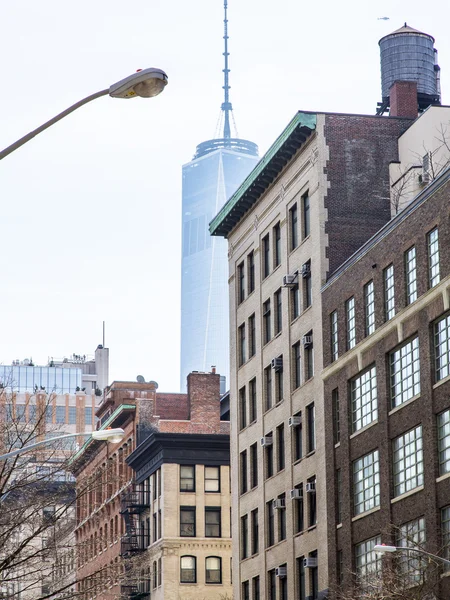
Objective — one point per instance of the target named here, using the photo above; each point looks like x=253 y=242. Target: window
x=369 y=308
x=244 y=537
x=312 y=506
x=213 y=522
x=155 y=575
x=242 y=408
x=445 y=529
x=270 y=523
x=241 y=282
x=266 y=319
x=433 y=258
x=276 y=245
x=443 y=424
x=389 y=295
x=250 y=273
x=271 y=585
x=307 y=285
x=309 y=356
x=255 y=531
x=297 y=433
x=269 y=457
x=299 y=510
x=334 y=336
x=336 y=416
x=266 y=255
x=213 y=569
x=364 y=399
x=187 y=479
x=442 y=348
x=278 y=312
x=242 y=343
x=159 y=571
x=268 y=386
x=295 y=301
x=296 y=366
x=280 y=448
x=254 y=465
x=252 y=400
x=301 y=578
x=405 y=372
x=155 y=526
x=408 y=461
x=60 y=414
x=187 y=522
x=256 y=590
x=412 y=534
x=306 y=216
x=212 y=479
x=411 y=275
x=311 y=423
x=368 y=562
x=245 y=590
x=351 y=323
x=283 y=587
x=366 y=483
x=251 y=336
x=244 y=475
x=338 y=499
x=293 y=227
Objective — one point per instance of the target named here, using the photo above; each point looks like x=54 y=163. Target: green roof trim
x=264 y=173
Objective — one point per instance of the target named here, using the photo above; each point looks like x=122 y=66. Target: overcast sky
x=90 y=210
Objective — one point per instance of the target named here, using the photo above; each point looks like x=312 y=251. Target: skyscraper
x=217 y=169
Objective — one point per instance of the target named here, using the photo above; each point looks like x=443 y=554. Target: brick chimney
x=204 y=399
x=403 y=99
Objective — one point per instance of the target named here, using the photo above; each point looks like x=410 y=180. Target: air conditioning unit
x=306 y=270
x=311 y=487
x=307 y=341
x=281 y=572
x=267 y=440
x=424 y=177
x=289 y=280
x=277 y=363
x=295 y=421
x=279 y=503
x=310 y=562
x=296 y=494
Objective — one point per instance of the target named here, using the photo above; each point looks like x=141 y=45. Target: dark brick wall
x=403 y=99
x=360 y=150
x=423 y=410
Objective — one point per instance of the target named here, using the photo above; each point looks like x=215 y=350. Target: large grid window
x=434 y=276
x=364 y=399
x=369 y=308
x=442 y=348
x=405 y=372
x=443 y=423
x=351 y=323
x=368 y=562
x=389 y=292
x=445 y=529
x=411 y=275
x=409 y=535
x=334 y=335
x=408 y=461
x=366 y=483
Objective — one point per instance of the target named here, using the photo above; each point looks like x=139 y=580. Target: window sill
x=365 y=428
x=441 y=382
x=406 y=494
x=403 y=404
x=337 y=445
x=364 y=514
x=442 y=477
x=339 y=526
x=310 y=453
x=311 y=528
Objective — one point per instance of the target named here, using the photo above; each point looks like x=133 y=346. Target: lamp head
x=383 y=549
x=145 y=83
x=109 y=435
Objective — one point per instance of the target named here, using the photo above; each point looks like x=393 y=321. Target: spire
x=226 y=105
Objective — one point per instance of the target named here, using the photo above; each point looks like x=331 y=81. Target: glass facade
x=22 y=378
x=208 y=181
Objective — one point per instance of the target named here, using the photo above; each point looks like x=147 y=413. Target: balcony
x=135 y=501
x=137 y=590
x=132 y=542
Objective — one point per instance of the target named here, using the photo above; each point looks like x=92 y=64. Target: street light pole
x=145 y=83
x=108 y=435
x=384 y=549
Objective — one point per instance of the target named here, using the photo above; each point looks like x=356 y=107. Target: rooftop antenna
x=226 y=105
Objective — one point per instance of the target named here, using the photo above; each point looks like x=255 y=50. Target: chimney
x=403 y=99
x=204 y=401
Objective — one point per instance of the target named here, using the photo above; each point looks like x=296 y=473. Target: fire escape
x=134 y=502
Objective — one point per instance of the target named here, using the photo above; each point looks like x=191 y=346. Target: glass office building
x=216 y=171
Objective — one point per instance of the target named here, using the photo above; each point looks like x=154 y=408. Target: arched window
x=188 y=569
x=213 y=569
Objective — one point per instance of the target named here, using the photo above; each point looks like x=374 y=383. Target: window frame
x=219 y=570
x=183 y=510
x=217 y=491
x=192 y=468
x=406 y=453
x=434 y=274
x=216 y=510
x=357 y=399
x=366 y=482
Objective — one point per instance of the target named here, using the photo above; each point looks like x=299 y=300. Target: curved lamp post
x=108 y=435
x=145 y=83
x=383 y=549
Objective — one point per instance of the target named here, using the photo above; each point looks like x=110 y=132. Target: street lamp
x=384 y=549
x=145 y=83
x=108 y=435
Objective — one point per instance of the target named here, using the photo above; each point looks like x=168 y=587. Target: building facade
x=386 y=380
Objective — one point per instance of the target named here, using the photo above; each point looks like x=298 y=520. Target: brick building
x=386 y=379
x=125 y=517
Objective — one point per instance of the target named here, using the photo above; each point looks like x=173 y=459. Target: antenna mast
x=226 y=105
